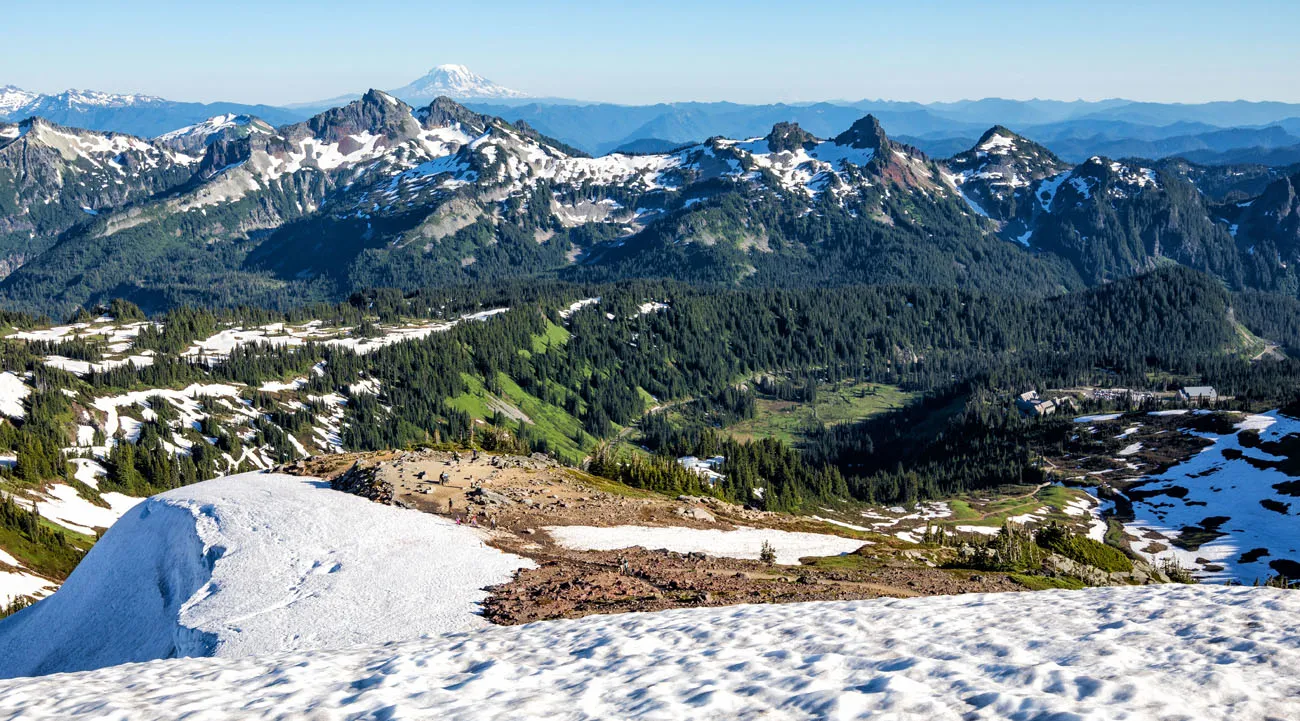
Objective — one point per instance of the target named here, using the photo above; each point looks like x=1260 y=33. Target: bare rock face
x=364 y=481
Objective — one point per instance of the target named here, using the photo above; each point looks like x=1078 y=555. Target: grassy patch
x=839 y=403
x=608 y=486
x=847 y=562
x=55 y=562
x=1043 y=583
x=474 y=400
x=1245 y=344
x=554 y=336
x=1115 y=534
x=962 y=511
x=552 y=423
x=646 y=398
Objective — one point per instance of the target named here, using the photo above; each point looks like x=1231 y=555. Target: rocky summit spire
x=865 y=133
x=376 y=112
x=789 y=136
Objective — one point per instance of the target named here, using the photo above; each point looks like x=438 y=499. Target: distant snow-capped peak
x=12 y=98
x=16 y=102
x=98 y=98
x=454 y=81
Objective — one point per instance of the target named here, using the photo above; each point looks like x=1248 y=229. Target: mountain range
x=1206 y=133
x=378 y=193
x=142 y=115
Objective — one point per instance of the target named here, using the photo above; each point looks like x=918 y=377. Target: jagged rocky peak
x=1275 y=216
x=865 y=133
x=444 y=112
x=75 y=143
x=13 y=99
x=789 y=137
x=376 y=113
x=225 y=152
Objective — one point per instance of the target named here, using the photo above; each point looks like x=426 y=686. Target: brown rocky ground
x=572 y=584
x=512 y=499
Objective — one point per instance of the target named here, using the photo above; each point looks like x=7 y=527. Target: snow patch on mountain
x=12 y=393
x=101 y=151
x=738 y=543
x=255 y=564
x=1238 y=492
x=214 y=125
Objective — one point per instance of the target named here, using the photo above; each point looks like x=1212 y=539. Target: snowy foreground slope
x=254 y=564
x=1173 y=652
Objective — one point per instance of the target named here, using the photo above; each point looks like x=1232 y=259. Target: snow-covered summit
x=13 y=98
x=454 y=81
x=99 y=99
x=1137 y=653
x=254 y=564
x=17 y=103
x=214 y=124
x=227 y=125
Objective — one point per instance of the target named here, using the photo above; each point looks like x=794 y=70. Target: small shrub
x=1082 y=549
x=1013 y=549
x=1175 y=571
x=767 y=554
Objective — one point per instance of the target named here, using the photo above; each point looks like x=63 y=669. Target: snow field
x=60 y=504
x=254 y=564
x=1218 y=486
x=740 y=543
x=12 y=393
x=1169 y=652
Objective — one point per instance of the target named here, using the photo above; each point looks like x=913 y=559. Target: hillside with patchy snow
x=1171 y=652
x=255 y=564
x=1225 y=514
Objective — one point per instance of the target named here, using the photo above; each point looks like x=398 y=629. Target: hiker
x=474 y=458
x=448 y=505
x=444 y=479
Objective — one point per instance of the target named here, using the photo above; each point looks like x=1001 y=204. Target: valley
x=111 y=407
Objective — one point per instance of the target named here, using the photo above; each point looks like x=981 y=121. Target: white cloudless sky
x=280 y=52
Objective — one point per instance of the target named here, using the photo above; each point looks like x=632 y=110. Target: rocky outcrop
x=1055 y=565
x=789 y=137
x=363 y=480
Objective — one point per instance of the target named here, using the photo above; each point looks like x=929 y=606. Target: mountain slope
x=53 y=178
x=993 y=174
x=379 y=194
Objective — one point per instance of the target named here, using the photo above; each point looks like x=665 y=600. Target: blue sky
x=280 y=52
